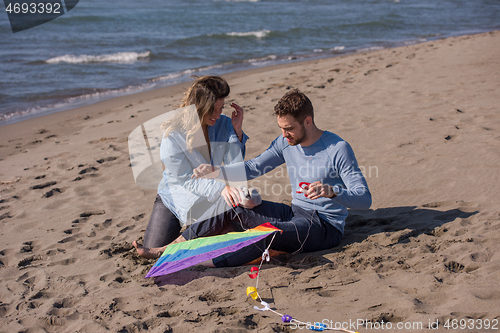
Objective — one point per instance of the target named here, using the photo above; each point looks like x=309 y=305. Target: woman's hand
x=231 y=195
x=237 y=120
x=206 y=171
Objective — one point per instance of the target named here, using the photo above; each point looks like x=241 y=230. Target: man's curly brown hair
x=296 y=104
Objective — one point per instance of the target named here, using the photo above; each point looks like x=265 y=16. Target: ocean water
x=102 y=49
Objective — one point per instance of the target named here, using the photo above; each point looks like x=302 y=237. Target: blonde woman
x=199 y=134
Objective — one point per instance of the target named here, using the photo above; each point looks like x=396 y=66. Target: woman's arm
x=237 y=120
x=180 y=164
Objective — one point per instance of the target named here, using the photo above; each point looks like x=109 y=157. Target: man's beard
x=299 y=139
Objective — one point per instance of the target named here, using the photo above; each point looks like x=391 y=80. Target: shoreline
x=423 y=117
x=285 y=61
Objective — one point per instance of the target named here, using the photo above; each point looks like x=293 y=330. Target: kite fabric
x=185 y=254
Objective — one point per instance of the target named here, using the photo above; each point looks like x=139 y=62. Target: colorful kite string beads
x=319 y=327
x=252 y=291
x=252 y=270
x=265 y=308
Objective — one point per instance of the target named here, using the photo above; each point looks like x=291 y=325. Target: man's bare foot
x=208 y=263
x=150 y=253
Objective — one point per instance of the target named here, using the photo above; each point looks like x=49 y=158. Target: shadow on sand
x=427 y=219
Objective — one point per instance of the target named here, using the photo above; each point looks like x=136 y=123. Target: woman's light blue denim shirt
x=177 y=190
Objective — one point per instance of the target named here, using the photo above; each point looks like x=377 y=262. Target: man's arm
x=356 y=195
x=256 y=167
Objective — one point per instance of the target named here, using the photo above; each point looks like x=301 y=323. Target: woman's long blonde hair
x=203 y=93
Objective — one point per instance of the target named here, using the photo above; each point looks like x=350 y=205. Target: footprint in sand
x=169 y=314
x=71 y=231
x=455 y=267
x=104 y=225
x=138 y=217
x=52 y=192
x=43 y=185
x=27 y=247
x=107 y=159
x=28 y=261
x=386 y=317
x=67 y=240
x=88 y=170
x=130 y=227
x=328 y=293
x=64 y=262
x=5 y=216
x=93 y=212
x=211 y=298
x=119 y=248
x=114 y=277
x=484 y=256
x=249 y=323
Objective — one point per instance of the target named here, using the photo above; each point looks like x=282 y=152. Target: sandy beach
x=424 y=123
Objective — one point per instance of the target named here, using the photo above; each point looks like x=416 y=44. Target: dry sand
x=425 y=125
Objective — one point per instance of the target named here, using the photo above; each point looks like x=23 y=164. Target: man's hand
x=317 y=190
x=206 y=171
x=231 y=195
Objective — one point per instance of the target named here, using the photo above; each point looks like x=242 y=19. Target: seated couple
x=323 y=171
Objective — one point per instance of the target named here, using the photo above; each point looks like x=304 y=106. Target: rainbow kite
x=182 y=255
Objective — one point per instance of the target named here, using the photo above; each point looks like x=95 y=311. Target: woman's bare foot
x=150 y=253
x=154 y=252
x=179 y=239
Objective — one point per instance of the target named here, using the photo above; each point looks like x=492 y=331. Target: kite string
x=296 y=230
x=239 y=218
x=265 y=255
x=308 y=230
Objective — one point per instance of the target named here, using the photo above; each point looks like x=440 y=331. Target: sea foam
x=121 y=57
x=258 y=34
